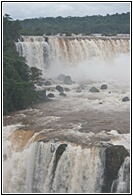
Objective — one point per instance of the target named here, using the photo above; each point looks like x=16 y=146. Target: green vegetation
x=18 y=78
x=109 y=24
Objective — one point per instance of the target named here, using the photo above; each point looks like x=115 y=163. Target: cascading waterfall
x=39 y=169
x=36 y=52
x=76 y=162
x=54 y=167
x=43 y=52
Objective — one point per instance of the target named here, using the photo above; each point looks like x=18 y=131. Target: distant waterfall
x=46 y=51
x=36 y=51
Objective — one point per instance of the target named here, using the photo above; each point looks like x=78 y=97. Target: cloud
x=22 y=10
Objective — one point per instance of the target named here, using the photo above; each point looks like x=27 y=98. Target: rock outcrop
x=115 y=156
x=66 y=89
x=125 y=99
x=94 y=90
x=62 y=94
x=61 y=77
x=68 y=80
x=60 y=151
x=104 y=86
x=41 y=96
x=59 y=88
x=47 y=83
x=51 y=95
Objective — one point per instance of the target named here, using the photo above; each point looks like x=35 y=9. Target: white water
x=31 y=170
x=89 y=58
x=121 y=185
x=79 y=170
x=29 y=167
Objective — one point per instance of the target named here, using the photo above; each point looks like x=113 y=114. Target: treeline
x=109 y=24
x=18 y=79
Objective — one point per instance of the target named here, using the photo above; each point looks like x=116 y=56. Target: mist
x=95 y=69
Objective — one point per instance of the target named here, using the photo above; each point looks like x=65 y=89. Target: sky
x=23 y=10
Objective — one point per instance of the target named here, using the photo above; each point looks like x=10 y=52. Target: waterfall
x=35 y=50
x=78 y=170
x=43 y=52
x=51 y=168
x=122 y=183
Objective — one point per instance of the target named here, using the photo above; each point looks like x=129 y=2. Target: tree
x=76 y=25
x=35 y=75
x=18 y=78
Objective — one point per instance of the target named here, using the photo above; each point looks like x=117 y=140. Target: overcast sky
x=23 y=10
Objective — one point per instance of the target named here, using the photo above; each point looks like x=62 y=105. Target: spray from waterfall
x=82 y=58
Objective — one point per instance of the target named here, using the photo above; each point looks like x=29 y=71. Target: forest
x=107 y=25
x=18 y=79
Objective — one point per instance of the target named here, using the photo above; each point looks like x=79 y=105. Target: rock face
x=94 y=90
x=115 y=156
x=104 y=86
x=59 y=88
x=67 y=80
x=58 y=154
x=125 y=99
x=60 y=151
x=47 y=83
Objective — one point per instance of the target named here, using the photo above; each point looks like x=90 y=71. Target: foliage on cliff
x=109 y=24
x=18 y=86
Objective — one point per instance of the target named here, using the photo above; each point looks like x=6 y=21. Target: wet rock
x=61 y=148
x=60 y=151
x=125 y=99
x=62 y=94
x=47 y=83
x=59 y=88
x=51 y=95
x=41 y=96
x=78 y=90
x=61 y=77
x=66 y=89
x=94 y=90
x=125 y=181
x=67 y=80
x=115 y=156
x=104 y=86
x=46 y=39
x=39 y=83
